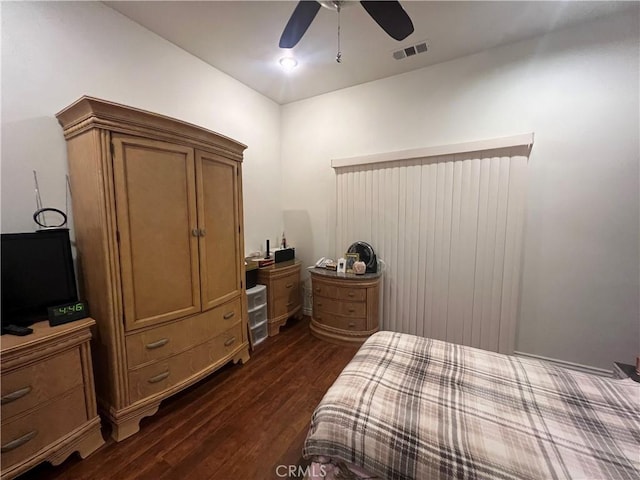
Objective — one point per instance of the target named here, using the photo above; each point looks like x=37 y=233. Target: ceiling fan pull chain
x=339 y=54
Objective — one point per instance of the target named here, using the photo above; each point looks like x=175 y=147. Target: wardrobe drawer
x=340 y=322
x=39 y=382
x=166 y=340
x=22 y=436
x=166 y=373
x=336 y=307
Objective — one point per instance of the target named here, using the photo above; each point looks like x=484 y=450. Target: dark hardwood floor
x=239 y=423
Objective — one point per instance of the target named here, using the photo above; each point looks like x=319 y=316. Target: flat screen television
x=37 y=273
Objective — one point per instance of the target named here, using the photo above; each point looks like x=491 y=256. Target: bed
x=407 y=407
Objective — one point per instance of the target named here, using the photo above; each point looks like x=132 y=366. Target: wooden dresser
x=345 y=306
x=284 y=298
x=157 y=206
x=48 y=397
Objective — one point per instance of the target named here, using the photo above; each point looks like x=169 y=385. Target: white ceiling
x=241 y=38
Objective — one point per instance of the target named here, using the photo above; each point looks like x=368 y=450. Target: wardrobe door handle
x=202 y=232
x=195 y=232
x=227 y=316
x=18 y=442
x=160 y=343
x=159 y=377
x=13 y=396
x=230 y=341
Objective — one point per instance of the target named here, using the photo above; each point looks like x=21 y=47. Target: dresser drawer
x=285 y=286
x=164 y=374
x=24 y=435
x=166 y=340
x=287 y=304
x=340 y=322
x=352 y=294
x=26 y=387
x=336 y=307
x=286 y=294
x=321 y=289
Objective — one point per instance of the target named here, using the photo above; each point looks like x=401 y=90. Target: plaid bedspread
x=413 y=408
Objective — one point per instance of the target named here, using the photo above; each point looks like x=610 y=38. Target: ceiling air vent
x=410 y=51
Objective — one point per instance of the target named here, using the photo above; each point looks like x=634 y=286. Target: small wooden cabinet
x=283 y=293
x=48 y=397
x=345 y=306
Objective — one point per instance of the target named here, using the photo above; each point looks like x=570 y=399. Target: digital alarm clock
x=69 y=312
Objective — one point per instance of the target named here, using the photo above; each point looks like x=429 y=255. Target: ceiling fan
x=388 y=14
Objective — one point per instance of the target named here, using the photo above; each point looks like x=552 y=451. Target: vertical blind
x=449 y=230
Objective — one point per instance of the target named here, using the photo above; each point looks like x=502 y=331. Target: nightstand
x=283 y=292
x=623 y=370
x=345 y=305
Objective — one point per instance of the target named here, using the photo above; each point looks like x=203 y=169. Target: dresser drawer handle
x=289 y=285
x=18 y=442
x=351 y=310
x=319 y=304
x=290 y=303
x=352 y=324
x=318 y=289
x=227 y=316
x=160 y=343
x=159 y=377
x=13 y=396
x=230 y=341
x=351 y=294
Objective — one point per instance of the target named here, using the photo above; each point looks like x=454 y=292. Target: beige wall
x=578 y=91
x=53 y=53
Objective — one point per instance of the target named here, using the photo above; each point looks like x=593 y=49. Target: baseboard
x=570 y=365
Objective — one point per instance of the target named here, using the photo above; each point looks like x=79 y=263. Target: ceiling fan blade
x=297 y=25
x=391 y=17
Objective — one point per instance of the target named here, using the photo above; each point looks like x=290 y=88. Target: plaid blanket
x=413 y=408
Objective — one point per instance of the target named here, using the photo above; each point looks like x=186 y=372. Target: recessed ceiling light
x=288 y=63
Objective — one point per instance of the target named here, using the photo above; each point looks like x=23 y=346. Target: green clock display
x=68 y=312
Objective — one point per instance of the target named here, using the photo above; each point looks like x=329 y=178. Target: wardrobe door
x=219 y=223
x=156 y=218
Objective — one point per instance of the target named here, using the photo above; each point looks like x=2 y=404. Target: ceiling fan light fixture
x=389 y=15
x=288 y=63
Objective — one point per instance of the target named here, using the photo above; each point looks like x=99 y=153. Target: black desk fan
x=366 y=254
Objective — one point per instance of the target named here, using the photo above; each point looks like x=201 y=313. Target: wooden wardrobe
x=157 y=209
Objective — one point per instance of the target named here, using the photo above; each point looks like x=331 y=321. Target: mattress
x=408 y=407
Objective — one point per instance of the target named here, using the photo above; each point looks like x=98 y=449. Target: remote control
x=16 y=330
